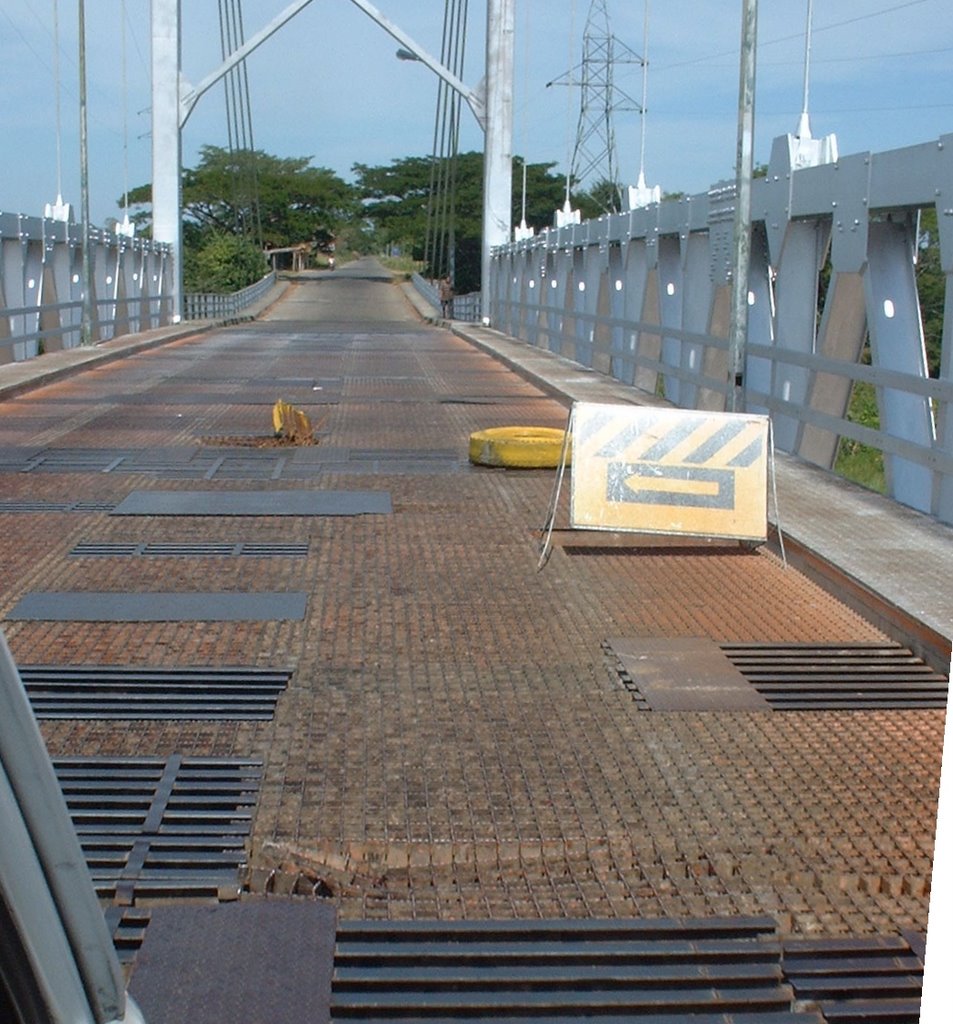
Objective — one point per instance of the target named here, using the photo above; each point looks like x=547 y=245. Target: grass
x=859 y=462
x=402 y=264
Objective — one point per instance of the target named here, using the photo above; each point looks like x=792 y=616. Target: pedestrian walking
x=446 y=297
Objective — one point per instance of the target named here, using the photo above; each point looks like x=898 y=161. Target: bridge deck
x=888 y=560
x=459 y=738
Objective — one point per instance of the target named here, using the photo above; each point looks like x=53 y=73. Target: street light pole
x=498 y=141
x=86 y=315
x=744 y=167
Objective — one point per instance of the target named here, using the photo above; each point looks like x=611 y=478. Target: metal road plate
x=669 y=471
x=251 y=960
x=687 y=674
x=79 y=606
x=254 y=503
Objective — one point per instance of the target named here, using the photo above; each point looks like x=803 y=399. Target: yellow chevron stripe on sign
x=669 y=471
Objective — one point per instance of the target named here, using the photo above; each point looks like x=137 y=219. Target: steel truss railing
x=42 y=285
x=644 y=297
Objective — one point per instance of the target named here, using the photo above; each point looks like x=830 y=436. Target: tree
x=222 y=263
x=931 y=287
x=296 y=202
x=397 y=197
x=603 y=197
x=395 y=200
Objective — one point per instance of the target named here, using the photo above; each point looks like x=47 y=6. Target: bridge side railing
x=465 y=307
x=644 y=297
x=217 y=306
x=42 y=285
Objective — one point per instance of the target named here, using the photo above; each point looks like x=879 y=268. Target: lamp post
x=498 y=141
x=744 y=167
x=86 y=316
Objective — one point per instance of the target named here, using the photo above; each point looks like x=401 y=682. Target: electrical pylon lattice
x=594 y=158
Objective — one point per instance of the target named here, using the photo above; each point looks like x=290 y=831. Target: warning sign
x=669 y=471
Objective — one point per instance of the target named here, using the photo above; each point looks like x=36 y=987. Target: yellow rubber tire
x=518 y=447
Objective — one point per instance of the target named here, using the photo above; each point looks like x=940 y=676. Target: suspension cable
x=56 y=77
x=253 y=156
x=241 y=145
x=125 y=116
x=570 y=143
x=440 y=244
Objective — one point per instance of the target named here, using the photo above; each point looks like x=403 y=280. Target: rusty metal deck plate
x=254 y=503
x=82 y=606
x=685 y=674
x=237 y=963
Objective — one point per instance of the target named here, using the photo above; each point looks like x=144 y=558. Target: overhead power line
x=796 y=35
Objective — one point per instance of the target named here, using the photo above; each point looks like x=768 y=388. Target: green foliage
x=296 y=202
x=855 y=461
x=396 y=198
x=222 y=263
x=604 y=197
x=860 y=462
x=356 y=237
x=931 y=287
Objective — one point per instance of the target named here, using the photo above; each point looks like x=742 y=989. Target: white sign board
x=669 y=471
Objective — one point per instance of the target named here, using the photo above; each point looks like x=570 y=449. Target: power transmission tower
x=594 y=153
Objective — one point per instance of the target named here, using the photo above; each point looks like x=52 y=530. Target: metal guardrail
x=59 y=325
x=642 y=297
x=465 y=307
x=42 y=287
x=212 y=306
x=42 y=284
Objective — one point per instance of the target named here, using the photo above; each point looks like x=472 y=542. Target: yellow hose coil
x=518 y=447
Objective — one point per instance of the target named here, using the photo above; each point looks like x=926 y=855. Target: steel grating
x=127 y=926
x=225 y=549
x=855 y=980
x=851 y=677
x=56 y=506
x=709 y=969
x=153 y=827
x=794 y=677
x=158 y=606
x=127 y=692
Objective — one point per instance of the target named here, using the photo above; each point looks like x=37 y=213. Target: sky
x=328 y=86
